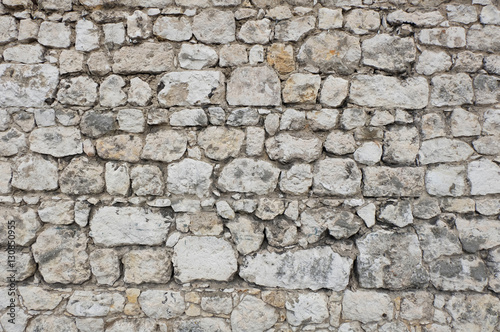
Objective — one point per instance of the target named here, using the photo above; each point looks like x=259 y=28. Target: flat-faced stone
x=54 y=34
x=262 y=81
x=87 y=303
x=195 y=258
x=105 y=266
x=301 y=88
x=27 y=85
x=56 y=141
x=191 y=88
x=165 y=145
x=189 y=176
x=35 y=172
x=478 y=233
x=459 y=273
x=386 y=181
x=12 y=142
x=116 y=226
x=285 y=148
x=388 y=52
x=120 y=147
x=147 y=266
x=249 y=176
x=314 y=268
x=452 y=37
x=214 y=26
x=389 y=92
x=331 y=52
x=147 y=57
x=366 y=306
x=451 y=90
x=442 y=150
x=82 y=176
x=25 y=221
x=483 y=38
x=247 y=233
x=60 y=252
x=336 y=177
x=220 y=143
x=484 y=176
x=157 y=303
x=253 y=314
x=77 y=91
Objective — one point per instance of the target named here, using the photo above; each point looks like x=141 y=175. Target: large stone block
x=254 y=86
x=144 y=58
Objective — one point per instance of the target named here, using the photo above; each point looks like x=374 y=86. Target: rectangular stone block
x=387 y=181
x=145 y=58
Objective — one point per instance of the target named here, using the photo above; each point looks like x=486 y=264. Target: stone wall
x=249 y=165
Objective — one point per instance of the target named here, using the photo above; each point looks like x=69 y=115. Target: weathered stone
x=432 y=125
x=8 y=29
x=255 y=32
x=340 y=143
x=147 y=180
x=330 y=18
x=247 y=234
x=491 y=125
x=389 y=92
x=53 y=34
x=468 y=62
x=157 y=303
x=486 y=89
x=140 y=92
x=397 y=213
x=105 y=266
x=25 y=222
x=131 y=120
x=281 y=232
x=139 y=25
x=190 y=177
x=27 y=85
x=369 y=153
x=307 y=308
x=56 y=141
x=285 y=148
x=61 y=255
x=82 y=176
x=334 y=176
x=147 y=265
x=189 y=118
x=24 y=54
x=491 y=64
x=388 y=52
x=458 y=205
x=478 y=233
x=268 y=209
x=35 y=172
x=417 y=305
x=263 y=81
x=152 y=58
x=87 y=36
x=214 y=26
x=45 y=323
x=194 y=259
x=445 y=180
x=453 y=37
x=314 y=268
x=488 y=145
x=483 y=38
x=367 y=213
x=253 y=315
x=217 y=304
x=248 y=175
x=191 y=88
x=12 y=142
x=70 y=61
x=120 y=147
x=418 y=18
x=255 y=141
x=366 y=306
x=173 y=28
x=301 y=88
x=362 y=21
x=77 y=91
x=114 y=34
x=294 y=28
x=334 y=91
x=464 y=123
x=468 y=311
x=442 y=150
x=233 y=55
x=459 y=273
x=95 y=124
x=461 y=13
x=297 y=180
x=430 y=62
x=399 y=268
x=88 y=303
x=36 y=298
x=401 y=145
x=204 y=323
x=98 y=64
x=331 y=52
x=167 y=146
x=57 y=212
x=293 y=120
x=197 y=56
x=493 y=263
x=110 y=91
x=280 y=56
x=451 y=90
x=115 y=226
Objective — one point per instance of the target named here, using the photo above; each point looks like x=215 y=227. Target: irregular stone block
x=443 y=150
x=389 y=92
x=314 y=268
x=253 y=314
x=190 y=177
x=191 y=88
x=60 y=252
x=25 y=221
x=445 y=180
x=27 y=85
x=54 y=34
x=388 y=52
x=366 y=306
x=451 y=90
x=336 y=177
x=36 y=298
x=249 y=176
x=478 y=233
x=116 y=226
x=247 y=233
x=459 y=273
x=105 y=266
x=82 y=176
x=453 y=37
x=301 y=88
x=401 y=264
x=286 y=148
x=468 y=311
x=147 y=266
x=214 y=26
x=88 y=303
x=294 y=28
x=35 y=172
x=12 y=142
x=77 y=91
x=56 y=141
x=147 y=57
x=263 y=82
x=120 y=147
x=57 y=212
x=483 y=38
x=165 y=145
x=331 y=52
x=157 y=303
x=195 y=258
x=52 y=323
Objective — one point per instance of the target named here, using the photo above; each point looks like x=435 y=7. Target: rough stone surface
x=189 y=177
x=34 y=172
x=338 y=177
x=311 y=268
x=248 y=175
x=56 y=141
x=263 y=81
x=388 y=52
x=203 y=258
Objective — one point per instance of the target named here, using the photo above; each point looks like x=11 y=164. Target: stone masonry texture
x=249 y=165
